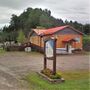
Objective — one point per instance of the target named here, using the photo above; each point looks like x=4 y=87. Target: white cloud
x=6 y=13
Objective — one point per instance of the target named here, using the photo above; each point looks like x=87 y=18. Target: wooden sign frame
x=53 y=58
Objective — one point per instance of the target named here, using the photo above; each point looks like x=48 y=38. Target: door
x=68 y=48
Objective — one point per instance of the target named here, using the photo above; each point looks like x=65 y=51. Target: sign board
x=49 y=48
x=50 y=53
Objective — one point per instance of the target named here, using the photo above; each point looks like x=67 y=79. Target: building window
x=77 y=39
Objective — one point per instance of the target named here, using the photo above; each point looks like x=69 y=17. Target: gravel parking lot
x=15 y=64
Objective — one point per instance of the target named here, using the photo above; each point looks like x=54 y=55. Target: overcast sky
x=78 y=10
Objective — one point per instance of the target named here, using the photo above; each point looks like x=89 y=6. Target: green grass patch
x=2 y=51
x=76 y=75
x=74 y=81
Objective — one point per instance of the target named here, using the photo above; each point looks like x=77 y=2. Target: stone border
x=51 y=80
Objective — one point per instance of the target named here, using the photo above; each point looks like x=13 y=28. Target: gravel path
x=15 y=64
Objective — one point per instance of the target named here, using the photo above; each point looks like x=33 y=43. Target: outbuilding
x=68 y=38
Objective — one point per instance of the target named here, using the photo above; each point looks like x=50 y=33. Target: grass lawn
x=74 y=81
x=2 y=51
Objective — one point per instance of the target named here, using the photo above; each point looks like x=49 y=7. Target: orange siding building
x=68 y=38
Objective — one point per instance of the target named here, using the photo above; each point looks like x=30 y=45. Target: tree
x=31 y=18
x=21 y=37
x=45 y=21
x=14 y=22
x=86 y=29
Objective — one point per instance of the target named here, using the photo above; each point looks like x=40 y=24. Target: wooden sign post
x=50 y=53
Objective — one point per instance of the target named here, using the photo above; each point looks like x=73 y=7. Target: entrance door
x=68 y=48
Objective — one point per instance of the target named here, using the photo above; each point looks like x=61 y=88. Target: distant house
x=68 y=38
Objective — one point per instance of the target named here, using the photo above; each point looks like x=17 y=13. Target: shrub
x=56 y=76
x=86 y=43
x=21 y=37
x=49 y=73
x=14 y=48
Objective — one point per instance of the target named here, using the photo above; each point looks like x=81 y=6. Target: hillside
x=33 y=18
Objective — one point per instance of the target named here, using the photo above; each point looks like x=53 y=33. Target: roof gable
x=66 y=31
x=43 y=32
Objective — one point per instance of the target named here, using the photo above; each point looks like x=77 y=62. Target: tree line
x=33 y=18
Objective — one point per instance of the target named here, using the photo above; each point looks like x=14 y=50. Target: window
x=77 y=39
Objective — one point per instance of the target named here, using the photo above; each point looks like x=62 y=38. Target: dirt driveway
x=14 y=64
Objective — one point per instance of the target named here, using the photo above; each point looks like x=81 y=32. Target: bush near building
x=86 y=43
